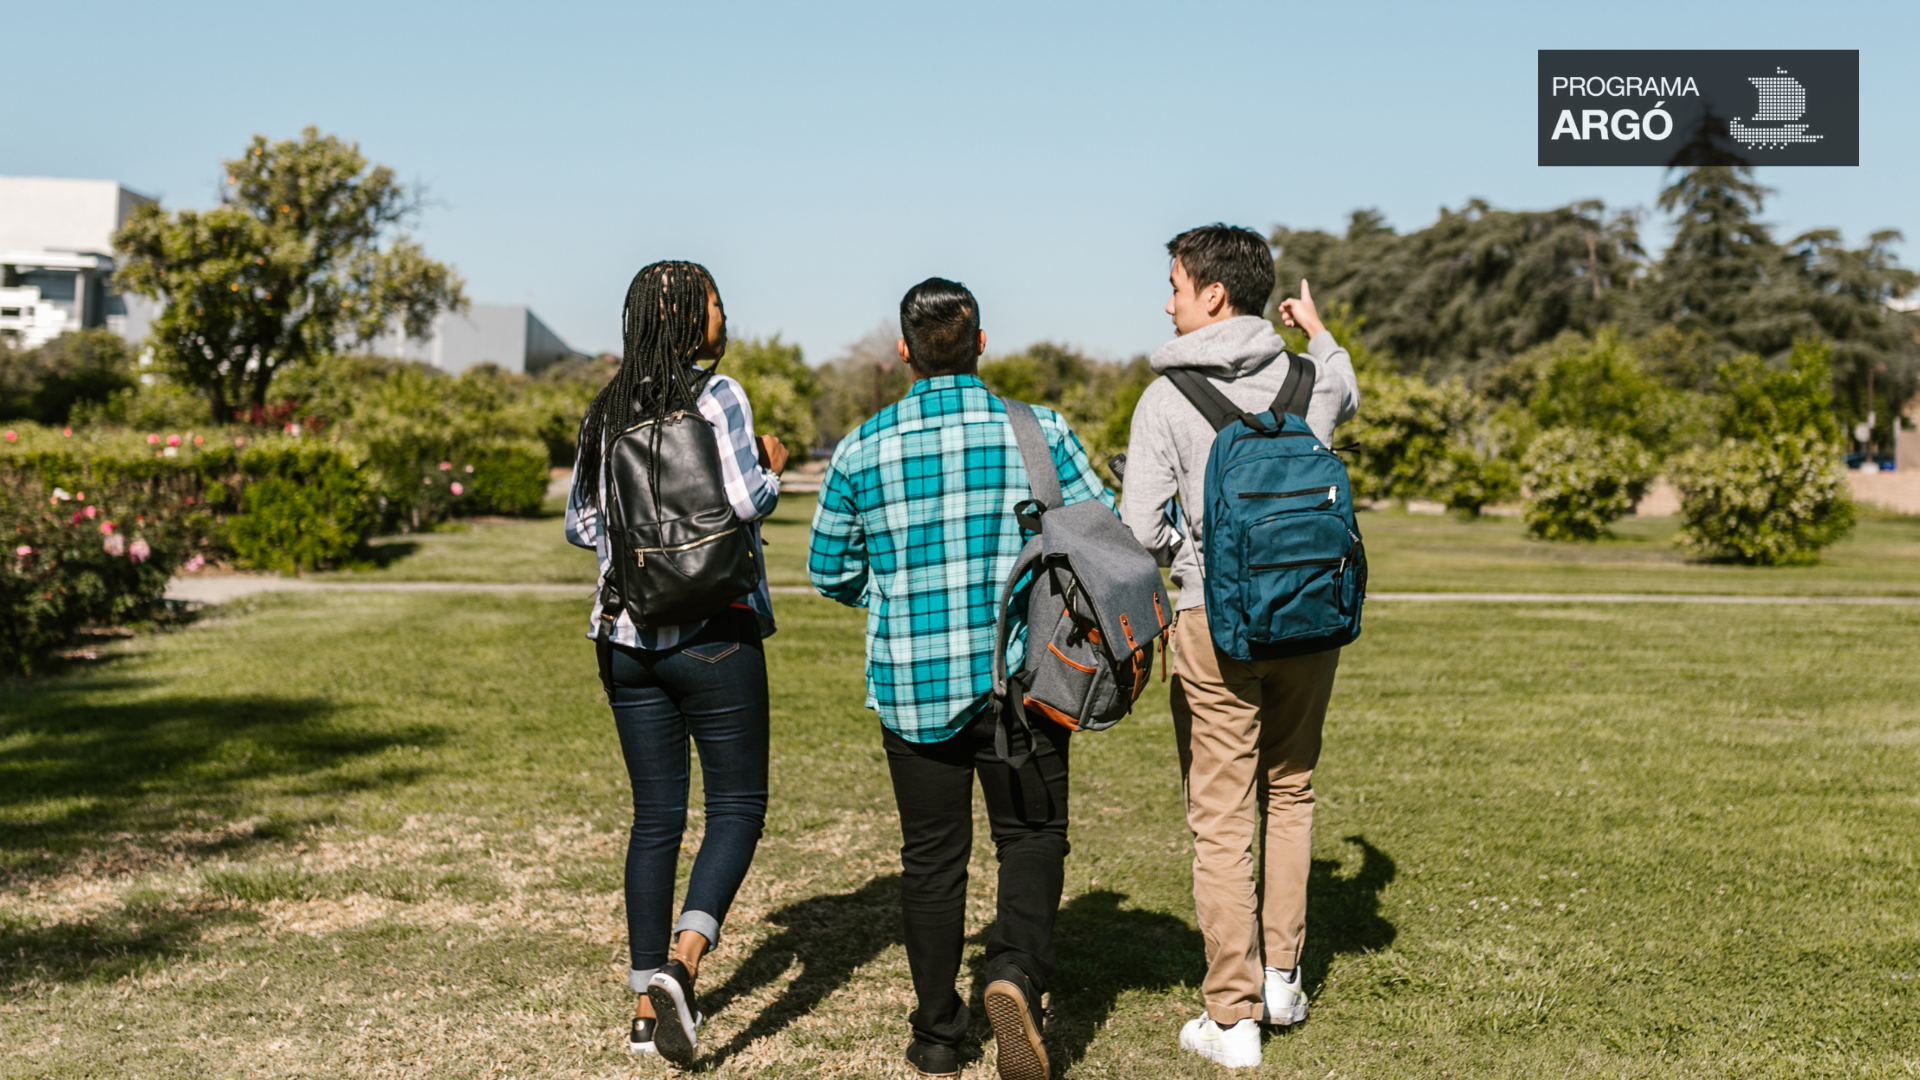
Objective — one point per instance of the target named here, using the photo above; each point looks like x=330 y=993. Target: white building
x=56 y=259
x=56 y=270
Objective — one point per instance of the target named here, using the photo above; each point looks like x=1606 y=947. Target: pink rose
x=456 y=488
x=194 y=563
x=23 y=551
x=427 y=480
x=197 y=440
x=173 y=440
x=138 y=551
x=116 y=545
x=446 y=466
x=469 y=470
x=12 y=437
x=89 y=511
x=67 y=431
x=106 y=527
x=153 y=440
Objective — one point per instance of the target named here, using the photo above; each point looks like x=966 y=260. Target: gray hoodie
x=1168 y=446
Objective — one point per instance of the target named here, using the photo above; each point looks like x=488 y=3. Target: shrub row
x=97 y=522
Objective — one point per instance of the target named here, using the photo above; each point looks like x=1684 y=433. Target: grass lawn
x=379 y=835
x=1431 y=553
x=1405 y=552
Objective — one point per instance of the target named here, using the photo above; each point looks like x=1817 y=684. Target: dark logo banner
x=1700 y=107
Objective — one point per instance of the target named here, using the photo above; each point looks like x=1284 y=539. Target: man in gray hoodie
x=1249 y=733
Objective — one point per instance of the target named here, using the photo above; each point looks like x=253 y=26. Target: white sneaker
x=1286 y=1001
x=1237 y=1047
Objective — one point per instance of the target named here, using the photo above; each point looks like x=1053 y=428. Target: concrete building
x=56 y=259
x=56 y=270
x=508 y=335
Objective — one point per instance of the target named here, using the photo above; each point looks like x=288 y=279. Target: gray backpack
x=1096 y=607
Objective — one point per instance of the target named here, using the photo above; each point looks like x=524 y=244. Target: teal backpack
x=1286 y=571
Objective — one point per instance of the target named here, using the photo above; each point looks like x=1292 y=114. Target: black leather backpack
x=680 y=553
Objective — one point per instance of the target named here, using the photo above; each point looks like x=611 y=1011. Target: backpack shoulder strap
x=1200 y=391
x=1043 y=480
x=1213 y=405
x=1297 y=390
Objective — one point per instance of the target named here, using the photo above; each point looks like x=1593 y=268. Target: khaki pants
x=1249 y=737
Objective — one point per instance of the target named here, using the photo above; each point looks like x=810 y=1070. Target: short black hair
x=1230 y=256
x=941 y=321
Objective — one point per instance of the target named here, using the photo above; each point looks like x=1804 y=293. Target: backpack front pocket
x=1296 y=577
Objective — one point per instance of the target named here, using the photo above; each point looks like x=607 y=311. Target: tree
x=81 y=367
x=1723 y=273
x=858 y=383
x=780 y=387
x=1773 y=492
x=1475 y=287
x=1726 y=278
x=304 y=253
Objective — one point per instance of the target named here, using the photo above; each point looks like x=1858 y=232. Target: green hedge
x=212 y=478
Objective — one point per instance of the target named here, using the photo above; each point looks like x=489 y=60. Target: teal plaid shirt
x=915 y=523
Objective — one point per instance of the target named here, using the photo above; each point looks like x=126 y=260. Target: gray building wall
x=506 y=335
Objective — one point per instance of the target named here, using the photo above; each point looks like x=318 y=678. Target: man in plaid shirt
x=915 y=523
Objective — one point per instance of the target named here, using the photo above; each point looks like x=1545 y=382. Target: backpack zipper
x=1275 y=435
x=1331 y=490
x=1297 y=562
x=640 y=554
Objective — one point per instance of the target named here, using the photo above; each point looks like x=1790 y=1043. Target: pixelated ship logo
x=1782 y=101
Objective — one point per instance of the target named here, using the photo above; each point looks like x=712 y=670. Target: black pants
x=933 y=786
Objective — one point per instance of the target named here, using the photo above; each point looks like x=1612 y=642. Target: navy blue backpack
x=1285 y=569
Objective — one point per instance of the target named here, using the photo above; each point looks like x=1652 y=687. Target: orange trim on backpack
x=1051 y=713
x=1159 y=614
x=1055 y=650
x=1139 y=675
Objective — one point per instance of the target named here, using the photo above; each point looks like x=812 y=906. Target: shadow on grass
x=1343 y=913
x=115 y=943
x=830 y=937
x=1101 y=951
x=77 y=772
x=383 y=553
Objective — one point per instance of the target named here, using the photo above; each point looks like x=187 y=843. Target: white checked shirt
x=752 y=490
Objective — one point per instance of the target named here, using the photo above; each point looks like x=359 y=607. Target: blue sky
x=823 y=158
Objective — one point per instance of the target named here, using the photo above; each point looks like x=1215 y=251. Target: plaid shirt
x=916 y=524
x=752 y=490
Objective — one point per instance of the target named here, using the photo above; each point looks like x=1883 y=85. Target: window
x=9 y=312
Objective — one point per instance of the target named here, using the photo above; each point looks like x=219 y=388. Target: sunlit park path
x=378 y=834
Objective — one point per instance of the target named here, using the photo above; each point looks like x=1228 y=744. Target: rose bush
x=96 y=555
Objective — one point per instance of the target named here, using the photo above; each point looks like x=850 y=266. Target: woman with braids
x=706 y=680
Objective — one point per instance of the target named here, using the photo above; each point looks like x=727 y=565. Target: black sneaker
x=675 y=1035
x=640 y=1039
x=933 y=1059
x=1013 y=1010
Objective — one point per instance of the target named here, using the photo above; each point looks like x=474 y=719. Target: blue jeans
x=714 y=689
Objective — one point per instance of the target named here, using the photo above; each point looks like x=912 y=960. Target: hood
x=1229 y=348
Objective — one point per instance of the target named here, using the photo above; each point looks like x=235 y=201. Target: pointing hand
x=1299 y=311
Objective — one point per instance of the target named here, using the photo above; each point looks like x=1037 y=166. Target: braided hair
x=664 y=324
